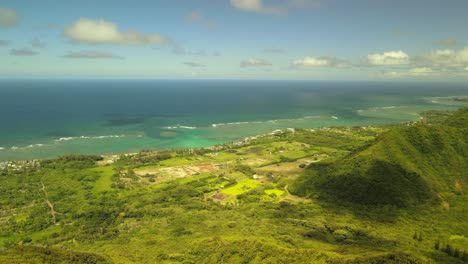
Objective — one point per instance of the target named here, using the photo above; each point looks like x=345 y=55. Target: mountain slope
x=406 y=165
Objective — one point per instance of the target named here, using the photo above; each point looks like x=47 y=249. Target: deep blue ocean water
x=48 y=118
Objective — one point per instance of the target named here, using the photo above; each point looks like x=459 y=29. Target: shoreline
x=109 y=158
x=417 y=117
x=217 y=127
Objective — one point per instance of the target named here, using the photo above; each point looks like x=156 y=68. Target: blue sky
x=235 y=39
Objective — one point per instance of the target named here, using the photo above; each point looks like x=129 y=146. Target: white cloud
x=441 y=57
x=388 y=58
x=281 y=8
x=461 y=56
x=424 y=71
x=8 y=17
x=309 y=61
x=251 y=62
x=414 y=72
x=90 y=55
x=320 y=62
x=392 y=74
x=197 y=17
x=258 y=6
x=448 y=57
x=105 y=32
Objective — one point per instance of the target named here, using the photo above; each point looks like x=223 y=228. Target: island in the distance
x=381 y=194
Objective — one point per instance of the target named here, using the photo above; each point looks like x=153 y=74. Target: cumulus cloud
x=424 y=71
x=310 y=61
x=37 y=43
x=4 y=43
x=388 y=58
x=193 y=64
x=414 y=72
x=447 y=57
x=274 y=50
x=105 y=32
x=8 y=17
x=320 y=62
x=391 y=74
x=251 y=62
x=281 y=8
x=258 y=6
x=438 y=57
x=90 y=55
x=23 y=52
x=198 y=18
x=447 y=42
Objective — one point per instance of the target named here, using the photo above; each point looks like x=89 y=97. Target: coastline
x=153 y=117
x=110 y=158
x=190 y=137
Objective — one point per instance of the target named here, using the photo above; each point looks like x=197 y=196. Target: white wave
x=262 y=122
x=334 y=117
x=34 y=145
x=180 y=127
x=1 y=148
x=88 y=137
x=375 y=109
x=64 y=139
x=240 y=123
x=28 y=147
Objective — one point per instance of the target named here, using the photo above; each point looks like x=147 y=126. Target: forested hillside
x=405 y=166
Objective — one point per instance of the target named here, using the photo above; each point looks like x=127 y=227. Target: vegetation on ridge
x=405 y=166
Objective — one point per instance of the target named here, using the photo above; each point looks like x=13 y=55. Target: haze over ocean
x=48 y=118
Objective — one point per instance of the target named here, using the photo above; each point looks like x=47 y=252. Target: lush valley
x=393 y=194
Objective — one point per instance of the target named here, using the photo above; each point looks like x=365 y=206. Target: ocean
x=48 y=118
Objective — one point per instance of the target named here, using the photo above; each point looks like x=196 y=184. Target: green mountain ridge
x=404 y=166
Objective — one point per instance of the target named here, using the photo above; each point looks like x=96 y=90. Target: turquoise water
x=48 y=118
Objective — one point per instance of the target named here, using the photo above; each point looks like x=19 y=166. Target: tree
x=449 y=250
